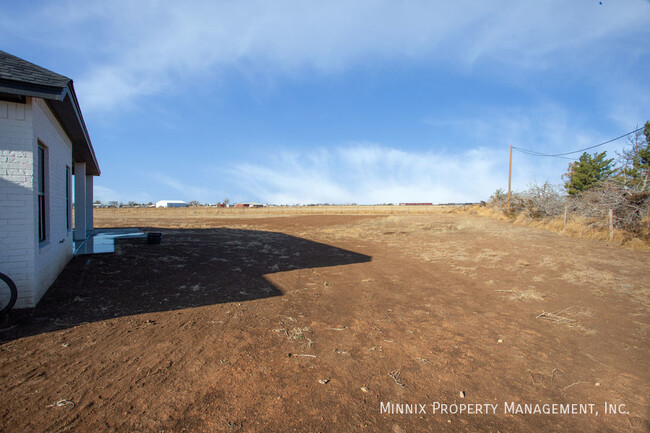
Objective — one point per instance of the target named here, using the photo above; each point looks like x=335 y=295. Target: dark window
x=42 y=235
x=67 y=198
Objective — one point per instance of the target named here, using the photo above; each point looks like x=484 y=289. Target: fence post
x=566 y=211
x=610 y=215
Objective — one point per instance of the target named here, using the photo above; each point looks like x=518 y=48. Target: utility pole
x=509 y=177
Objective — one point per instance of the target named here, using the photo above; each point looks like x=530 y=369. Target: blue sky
x=341 y=101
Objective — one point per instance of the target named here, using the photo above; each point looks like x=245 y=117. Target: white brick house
x=43 y=142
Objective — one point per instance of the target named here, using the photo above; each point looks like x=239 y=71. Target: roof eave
x=78 y=131
x=35 y=90
x=65 y=106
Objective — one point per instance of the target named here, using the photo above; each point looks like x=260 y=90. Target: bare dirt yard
x=330 y=323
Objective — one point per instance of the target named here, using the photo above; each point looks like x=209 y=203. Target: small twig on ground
x=562 y=311
x=595 y=360
x=553 y=373
x=310 y=356
x=61 y=403
x=575 y=383
x=555 y=315
x=395 y=375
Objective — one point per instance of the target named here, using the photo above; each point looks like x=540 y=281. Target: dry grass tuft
x=523 y=295
x=561 y=318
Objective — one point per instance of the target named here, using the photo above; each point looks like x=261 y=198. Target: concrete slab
x=102 y=241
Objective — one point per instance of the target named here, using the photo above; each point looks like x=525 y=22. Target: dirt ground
x=321 y=323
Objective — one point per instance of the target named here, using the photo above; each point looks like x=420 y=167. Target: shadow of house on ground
x=191 y=268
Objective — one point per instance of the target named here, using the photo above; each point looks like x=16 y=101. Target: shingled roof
x=20 y=78
x=17 y=69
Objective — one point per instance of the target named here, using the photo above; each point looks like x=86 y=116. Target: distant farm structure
x=171 y=203
x=249 y=204
x=416 y=204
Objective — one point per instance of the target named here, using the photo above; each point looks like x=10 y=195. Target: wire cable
x=532 y=153
x=563 y=155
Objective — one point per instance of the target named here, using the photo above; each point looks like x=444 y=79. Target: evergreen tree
x=587 y=172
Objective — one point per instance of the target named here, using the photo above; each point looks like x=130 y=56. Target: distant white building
x=171 y=203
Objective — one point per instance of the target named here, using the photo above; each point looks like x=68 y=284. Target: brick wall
x=32 y=265
x=17 y=219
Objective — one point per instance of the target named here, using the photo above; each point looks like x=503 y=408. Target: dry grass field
x=194 y=215
x=314 y=320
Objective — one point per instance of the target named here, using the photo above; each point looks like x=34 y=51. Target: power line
x=562 y=155
x=533 y=153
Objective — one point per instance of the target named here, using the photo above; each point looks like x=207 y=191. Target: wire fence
x=611 y=205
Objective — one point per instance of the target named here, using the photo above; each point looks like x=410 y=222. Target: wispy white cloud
x=106 y=194
x=165 y=187
x=143 y=48
x=182 y=190
x=546 y=128
x=374 y=173
x=629 y=102
x=367 y=173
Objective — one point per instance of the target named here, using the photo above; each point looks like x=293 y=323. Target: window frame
x=68 y=198
x=42 y=193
